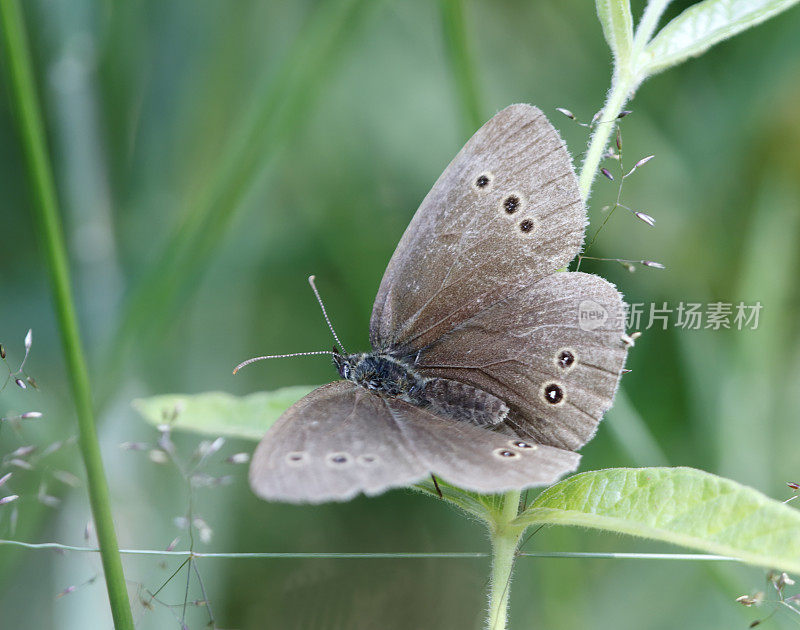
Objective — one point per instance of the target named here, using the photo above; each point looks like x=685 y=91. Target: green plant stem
x=618 y=95
x=505 y=539
x=48 y=225
x=462 y=64
x=627 y=78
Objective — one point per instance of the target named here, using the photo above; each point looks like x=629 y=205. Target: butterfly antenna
x=279 y=356
x=325 y=313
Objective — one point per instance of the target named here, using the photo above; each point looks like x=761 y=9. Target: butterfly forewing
x=504 y=213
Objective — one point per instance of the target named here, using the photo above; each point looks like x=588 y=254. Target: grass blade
x=462 y=64
x=632 y=433
x=48 y=225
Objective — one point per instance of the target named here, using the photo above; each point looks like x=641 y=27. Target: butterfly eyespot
x=565 y=359
x=553 y=393
x=526 y=225
x=504 y=453
x=512 y=203
x=521 y=444
x=483 y=181
x=297 y=458
x=367 y=460
x=338 y=459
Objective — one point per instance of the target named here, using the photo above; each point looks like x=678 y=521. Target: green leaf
x=647 y=24
x=701 y=26
x=683 y=506
x=615 y=17
x=221 y=414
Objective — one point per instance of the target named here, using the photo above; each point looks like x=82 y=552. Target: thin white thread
x=411 y=555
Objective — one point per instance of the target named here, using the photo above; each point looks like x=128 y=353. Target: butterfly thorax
x=380 y=373
x=392 y=377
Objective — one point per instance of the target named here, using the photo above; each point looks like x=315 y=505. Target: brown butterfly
x=489 y=368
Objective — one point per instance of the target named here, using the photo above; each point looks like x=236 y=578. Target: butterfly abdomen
x=463 y=402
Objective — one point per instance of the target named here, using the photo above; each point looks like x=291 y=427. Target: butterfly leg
x=436 y=485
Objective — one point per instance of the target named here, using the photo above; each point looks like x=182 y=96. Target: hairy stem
x=48 y=225
x=505 y=539
x=624 y=83
x=621 y=89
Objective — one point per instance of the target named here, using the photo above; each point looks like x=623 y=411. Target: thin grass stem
x=462 y=64
x=48 y=226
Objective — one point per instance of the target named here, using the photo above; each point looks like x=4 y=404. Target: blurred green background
x=211 y=155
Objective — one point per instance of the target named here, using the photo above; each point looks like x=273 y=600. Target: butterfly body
x=484 y=371
x=396 y=377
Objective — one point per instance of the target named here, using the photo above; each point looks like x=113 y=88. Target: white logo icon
x=591 y=315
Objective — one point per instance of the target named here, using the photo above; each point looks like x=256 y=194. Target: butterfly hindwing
x=479 y=459
x=553 y=352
